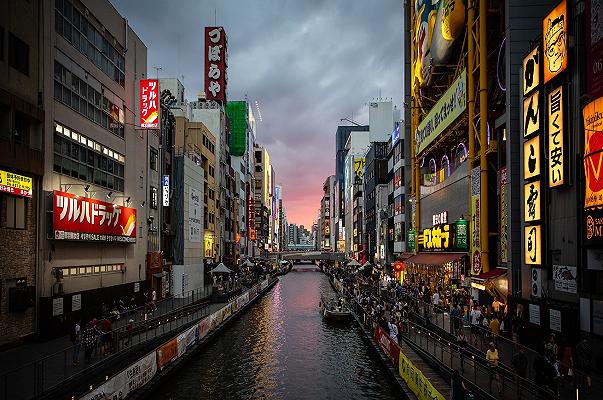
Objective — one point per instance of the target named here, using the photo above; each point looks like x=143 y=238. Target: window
x=18 y=54
x=153 y=195
x=90 y=270
x=154 y=157
x=82 y=158
x=14 y=211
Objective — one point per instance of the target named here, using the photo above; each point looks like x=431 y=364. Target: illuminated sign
x=531 y=114
x=532 y=245
x=554 y=40
x=461 y=234
x=359 y=163
x=149 y=104
x=436 y=238
x=410 y=241
x=594 y=226
x=15 y=184
x=448 y=108
x=531 y=158
x=85 y=219
x=476 y=258
x=215 y=63
x=531 y=71
x=531 y=198
x=165 y=190
x=556 y=150
x=441 y=218
x=504 y=217
x=396 y=134
x=593 y=153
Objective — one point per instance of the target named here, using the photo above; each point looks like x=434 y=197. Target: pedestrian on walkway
x=76 y=339
x=129 y=330
x=492 y=359
x=458 y=390
x=519 y=361
x=584 y=359
x=89 y=342
x=475 y=317
x=455 y=316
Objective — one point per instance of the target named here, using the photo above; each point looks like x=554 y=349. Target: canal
x=282 y=349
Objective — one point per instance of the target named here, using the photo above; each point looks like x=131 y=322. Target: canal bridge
x=312 y=256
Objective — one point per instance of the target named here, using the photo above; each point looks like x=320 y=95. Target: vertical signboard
x=215 y=63
x=194 y=215
x=555 y=135
x=504 y=217
x=476 y=248
x=165 y=190
x=554 y=41
x=149 y=104
x=594 y=48
x=593 y=172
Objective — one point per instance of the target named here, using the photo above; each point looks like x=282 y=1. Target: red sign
x=399 y=266
x=85 y=219
x=387 y=344
x=149 y=104
x=215 y=63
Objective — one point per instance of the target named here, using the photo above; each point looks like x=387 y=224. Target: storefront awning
x=160 y=274
x=493 y=273
x=404 y=256
x=434 y=258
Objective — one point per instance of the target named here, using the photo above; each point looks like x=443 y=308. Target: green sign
x=236 y=111
x=410 y=241
x=450 y=106
x=461 y=234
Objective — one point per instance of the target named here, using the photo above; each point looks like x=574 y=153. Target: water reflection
x=282 y=349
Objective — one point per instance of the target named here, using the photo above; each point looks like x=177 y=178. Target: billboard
x=194 y=216
x=85 y=219
x=593 y=153
x=594 y=47
x=149 y=104
x=215 y=63
x=556 y=149
x=554 y=41
x=15 y=184
x=476 y=247
x=237 y=118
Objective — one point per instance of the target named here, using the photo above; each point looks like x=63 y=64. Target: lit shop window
x=91 y=270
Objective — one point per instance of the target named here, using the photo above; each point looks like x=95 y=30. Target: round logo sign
x=590 y=227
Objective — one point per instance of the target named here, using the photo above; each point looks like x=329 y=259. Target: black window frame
x=18 y=48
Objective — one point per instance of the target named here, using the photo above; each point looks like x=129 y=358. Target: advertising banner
x=16 y=184
x=416 y=381
x=264 y=285
x=593 y=153
x=85 y=219
x=127 y=381
x=187 y=339
x=554 y=41
x=450 y=106
x=593 y=234
x=149 y=104
x=227 y=311
x=387 y=344
x=565 y=277
x=476 y=255
x=215 y=63
x=204 y=325
x=556 y=132
x=504 y=218
x=167 y=353
x=194 y=215
x=594 y=47
x=242 y=300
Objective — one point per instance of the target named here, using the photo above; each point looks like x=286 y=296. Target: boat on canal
x=333 y=310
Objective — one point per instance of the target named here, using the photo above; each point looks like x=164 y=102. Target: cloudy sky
x=307 y=62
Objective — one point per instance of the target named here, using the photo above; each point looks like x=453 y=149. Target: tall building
x=262 y=199
x=96 y=162
x=375 y=184
x=22 y=115
x=325 y=220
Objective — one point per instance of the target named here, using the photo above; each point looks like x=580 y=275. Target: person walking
x=475 y=317
x=519 y=361
x=492 y=360
x=89 y=342
x=458 y=390
x=76 y=339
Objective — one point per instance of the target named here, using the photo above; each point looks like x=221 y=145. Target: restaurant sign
x=410 y=241
x=15 y=184
x=450 y=106
x=84 y=219
x=593 y=153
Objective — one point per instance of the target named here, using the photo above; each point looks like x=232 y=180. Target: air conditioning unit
x=536 y=282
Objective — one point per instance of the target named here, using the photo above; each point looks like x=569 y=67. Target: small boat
x=334 y=310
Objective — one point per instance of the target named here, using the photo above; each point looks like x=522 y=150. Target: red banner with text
x=387 y=344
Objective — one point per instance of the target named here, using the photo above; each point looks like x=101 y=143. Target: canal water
x=281 y=348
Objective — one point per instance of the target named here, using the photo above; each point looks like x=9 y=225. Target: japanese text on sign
x=555 y=136
x=215 y=63
x=15 y=184
x=149 y=104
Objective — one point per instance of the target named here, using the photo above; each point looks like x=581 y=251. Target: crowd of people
x=388 y=303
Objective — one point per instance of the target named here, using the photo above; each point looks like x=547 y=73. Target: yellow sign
x=593 y=153
x=531 y=158
x=555 y=134
x=531 y=201
x=532 y=243
x=208 y=240
x=554 y=40
x=416 y=381
x=531 y=71
x=531 y=114
x=359 y=166
x=436 y=238
x=15 y=184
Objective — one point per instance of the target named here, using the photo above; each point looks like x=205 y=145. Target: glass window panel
x=75 y=171
x=59 y=5
x=74 y=150
x=67 y=10
x=91 y=93
x=67 y=31
x=90 y=52
x=73 y=271
x=66 y=96
x=83 y=106
x=104 y=163
x=97 y=177
x=110 y=181
x=89 y=270
x=90 y=158
x=83 y=172
x=103 y=179
x=103 y=268
x=57 y=163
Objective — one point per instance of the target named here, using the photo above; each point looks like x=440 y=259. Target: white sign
x=194 y=215
x=136 y=287
x=564 y=277
x=534 y=311
x=57 y=306
x=76 y=302
x=382 y=252
x=165 y=190
x=440 y=219
x=126 y=381
x=555 y=320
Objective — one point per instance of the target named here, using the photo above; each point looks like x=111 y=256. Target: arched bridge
x=312 y=256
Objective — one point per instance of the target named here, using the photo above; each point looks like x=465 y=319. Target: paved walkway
x=36 y=367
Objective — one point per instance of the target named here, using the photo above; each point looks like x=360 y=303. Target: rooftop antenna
x=215 y=16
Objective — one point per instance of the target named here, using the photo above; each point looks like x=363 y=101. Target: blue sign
x=165 y=185
x=396 y=134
